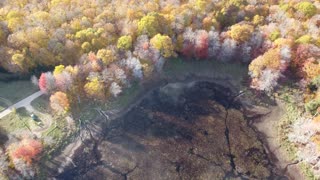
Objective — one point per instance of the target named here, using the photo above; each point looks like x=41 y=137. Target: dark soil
x=181 y=131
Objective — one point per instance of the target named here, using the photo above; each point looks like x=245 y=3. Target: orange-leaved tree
x=59 y=102
x=27 y=150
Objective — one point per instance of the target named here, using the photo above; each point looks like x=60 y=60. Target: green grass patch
x=59 y=133
x=87 y=114
x=56 y=131
x=208 y=68
x=126 y=97
x=8 y=76
x=41 y=104
x=16 y=90
x=86 y=111
x=3 y=106
x=56 y=137
x=174 y=68
x=14 y=121
x=307 y=171
x=4 y=103
x=293 y=111
x=284 y=129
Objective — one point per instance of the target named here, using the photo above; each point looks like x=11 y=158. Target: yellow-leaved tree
x=241 y=32
x=163 y=44
x=150 y=24
x=95 y=89
x=124 y=43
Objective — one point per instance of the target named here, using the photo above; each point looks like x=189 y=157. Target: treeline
x=100 y=46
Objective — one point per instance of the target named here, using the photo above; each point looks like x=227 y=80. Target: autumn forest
x=78 y=52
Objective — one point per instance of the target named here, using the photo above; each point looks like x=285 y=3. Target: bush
x=316 y=81
x=312 y=106
x=274 y=35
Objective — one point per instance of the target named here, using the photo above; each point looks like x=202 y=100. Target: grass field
x=207 y=68
x=293 y=110
x=175 y=68
x=57 y=130
x=41 y=104
x=126 y=97
x=3 y=106
x=16 y=90
x=14 y=121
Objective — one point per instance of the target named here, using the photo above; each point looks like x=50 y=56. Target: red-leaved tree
x=202 y=44
x=187 y=50
x=42 y=82
x=47 y=82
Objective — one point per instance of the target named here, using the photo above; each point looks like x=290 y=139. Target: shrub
x=275 y=35
x=312 y=106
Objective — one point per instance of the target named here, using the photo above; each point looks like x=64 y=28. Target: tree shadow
x=23 y=112
x=3 y=136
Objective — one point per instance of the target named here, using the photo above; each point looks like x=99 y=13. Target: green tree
x=312 y=106
x=91 y=39
x=124 y=43
x=307 y=8
x=150 y=24
x=275 y=35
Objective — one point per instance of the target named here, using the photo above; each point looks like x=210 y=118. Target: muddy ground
x=181 y=131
